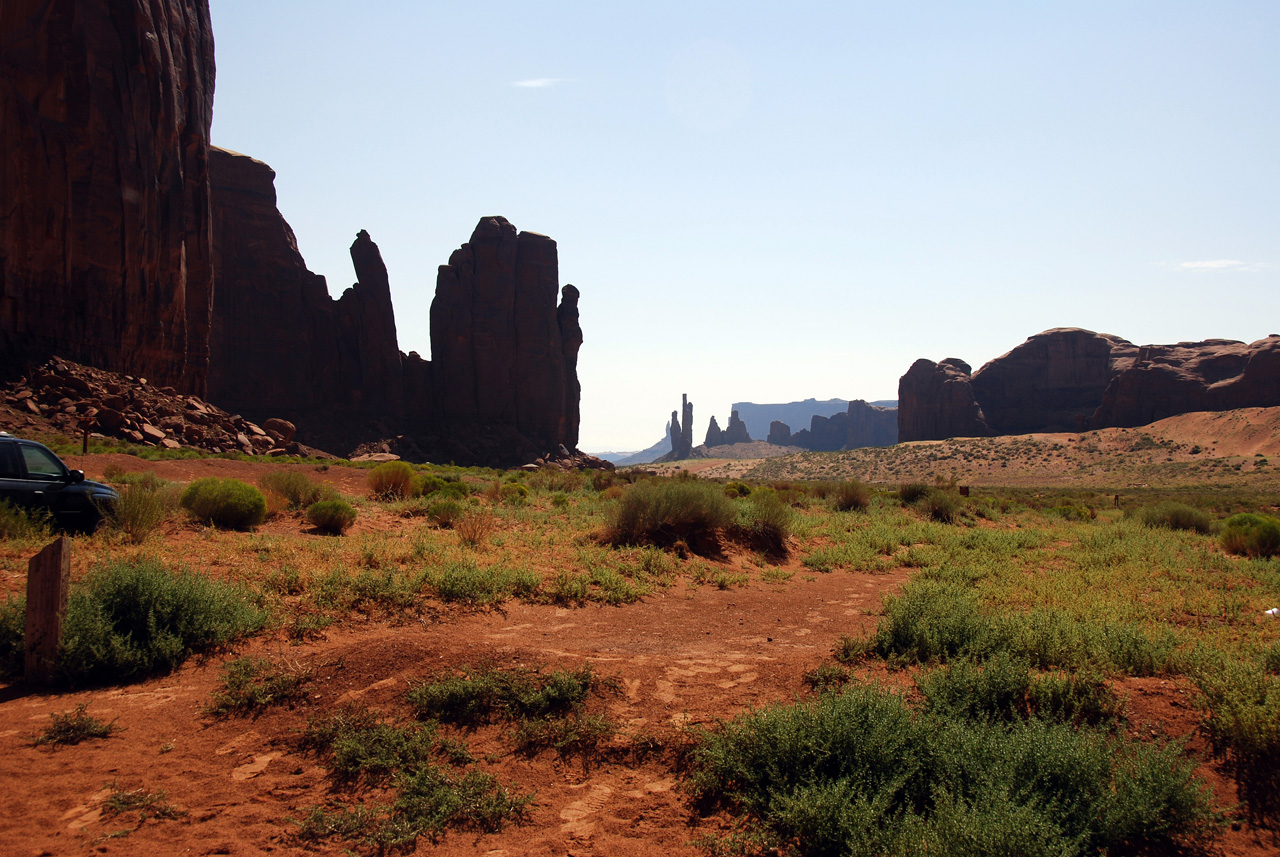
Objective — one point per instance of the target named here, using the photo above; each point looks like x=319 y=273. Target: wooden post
x=48 y=579
x=964 y=490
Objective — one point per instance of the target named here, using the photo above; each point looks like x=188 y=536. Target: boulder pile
x=73 y=398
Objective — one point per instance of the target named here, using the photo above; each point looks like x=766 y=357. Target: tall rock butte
x=105 y=226
x=128 y=242
x=1068 y=379
x=504 y=355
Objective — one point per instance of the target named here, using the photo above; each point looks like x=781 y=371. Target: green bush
x=426 y=484
x=939 y=505
x=513 y=493
x=296 y=487
x=142 y=507
x=860 y=773
x=391 y=480
x=480 y=695
x=1253 y=535
x=1243 y=725
x=664 y=512
x=131 y=619
x=445 y=512
x=765 y=522
x=734 y=490
x=251 y=685
x=226 y=503
x=910 y=492
x=331 y=516
x=851 y=496
x=1174 y=516
x=18 y=523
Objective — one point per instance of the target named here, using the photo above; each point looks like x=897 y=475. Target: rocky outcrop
x=64 y=396
x=279 y=343
x=735 y=433
x=936 y=400
x=681 y=433
x=128 y=243
x=105 y=232
x=779 y=434
x=1068 y=379
x=737 y=430
x=1214 y=375
x=715 y=435
x=1053 y=382
x=860 y=426
x=503 y=354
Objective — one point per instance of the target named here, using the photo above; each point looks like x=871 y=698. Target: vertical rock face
x=278 y=341
x=737 y=430
x=1214 y=375
x=868 y=425
x=503 y=354
x=715 y=435
x=779 y=433
x=935 y=401
x=1052 y=382
x=105 y=234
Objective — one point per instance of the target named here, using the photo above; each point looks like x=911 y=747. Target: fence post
x=48 y=579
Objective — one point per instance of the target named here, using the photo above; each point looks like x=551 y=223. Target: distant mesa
x=860 y=425
x=1069 y=379
x=129 y=243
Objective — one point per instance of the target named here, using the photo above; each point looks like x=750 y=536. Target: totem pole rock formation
x=681 y=432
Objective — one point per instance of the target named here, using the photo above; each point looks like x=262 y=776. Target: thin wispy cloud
x=540 y=82
x=1204 y=265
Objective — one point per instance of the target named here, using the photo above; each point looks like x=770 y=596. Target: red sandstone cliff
x=936 y=401
x=105 y=227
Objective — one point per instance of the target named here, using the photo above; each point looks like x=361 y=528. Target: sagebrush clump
x=226 y=503
x=331 y=516
x=1248 y=534
x=391 y=480
x=664 y=512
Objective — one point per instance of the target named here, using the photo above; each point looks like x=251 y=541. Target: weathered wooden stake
x=964 y=490
x=48 y=579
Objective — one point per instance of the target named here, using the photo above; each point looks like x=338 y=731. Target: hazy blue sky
x=770 y=203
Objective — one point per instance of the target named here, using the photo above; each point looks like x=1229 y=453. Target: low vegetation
x=227 y=503
x=252 y=685
x=72 y=727
x=333 y=517
x=131 y=619
x=391 y=480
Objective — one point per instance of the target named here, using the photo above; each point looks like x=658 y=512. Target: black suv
x=32 y=478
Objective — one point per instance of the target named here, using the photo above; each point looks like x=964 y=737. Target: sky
x=768 y=204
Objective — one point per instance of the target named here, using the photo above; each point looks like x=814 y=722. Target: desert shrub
x=226 y=503
x=1243 y=725
x=860 y=773
x=251 y=685
x=1072 y=512
x=560 y=500
x=939 y=505
x=850 y=496
x=13 y=627
x=426 y=484
x=734 y=490
x=1003 y=688
x=765 y=523
x=135 y=618
x=141 y=508
x=910 y=492
x=19 y=523
x=476 y=526
x=482 y=694
x=665 y=512
x=1174 y=516
x=331 y=516
x=296 y=487
x=465 y=582
x=513 y=493
x=1253 y=535
x=443 y=513
x=391 y=480
x=74 y=726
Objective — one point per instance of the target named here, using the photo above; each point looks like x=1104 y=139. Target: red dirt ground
x=683 y=658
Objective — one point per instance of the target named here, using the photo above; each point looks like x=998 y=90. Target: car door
x=47 y=480
x=13 y=483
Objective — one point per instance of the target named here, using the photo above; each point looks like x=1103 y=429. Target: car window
x=9 y=468
x=41 y=463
